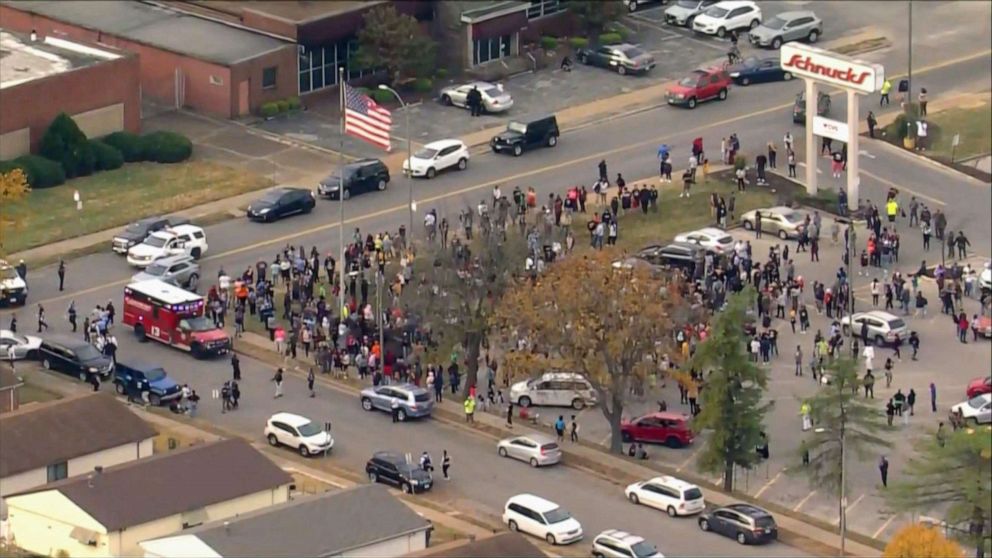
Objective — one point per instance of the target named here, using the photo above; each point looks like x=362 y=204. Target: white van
x=536 y=516
x=674 y=496
x=555 y=389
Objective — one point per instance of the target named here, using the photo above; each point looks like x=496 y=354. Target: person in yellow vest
x=470 y=409
x=886 y=87
x=892 y=209
x=804 y=412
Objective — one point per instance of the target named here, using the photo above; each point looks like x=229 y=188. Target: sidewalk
x=796 y=530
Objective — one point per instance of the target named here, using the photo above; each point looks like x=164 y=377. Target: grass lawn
x=972 y=122
x=117 y=197
x=31 y=393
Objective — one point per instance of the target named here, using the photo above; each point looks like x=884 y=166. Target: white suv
x=675 y=496
x=536 y=516
x=295 y=431
x=436 y=157
x=184 y=239
x=560 y=389
x=712 y=238
x=614 y=543
x=725 y=17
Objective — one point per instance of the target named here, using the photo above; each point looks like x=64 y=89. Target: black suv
x=744 y=522
x=391 y=468
x=281 y=202
x=360 y=176
x=526 y=134
x=677 y=255
x=74 y=357
x=138 y=231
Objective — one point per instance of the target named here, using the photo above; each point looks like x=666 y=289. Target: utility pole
x=409 y=153
x=341 y=255
x=909 y=48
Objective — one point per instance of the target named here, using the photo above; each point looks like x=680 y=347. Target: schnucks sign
x=834 y=69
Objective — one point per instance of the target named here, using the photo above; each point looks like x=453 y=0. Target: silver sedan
x=536 y=449
x=494 y=98
x=25 y=346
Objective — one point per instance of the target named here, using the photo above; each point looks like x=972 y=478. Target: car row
x=189 y=240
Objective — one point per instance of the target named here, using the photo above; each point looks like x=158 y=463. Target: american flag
x=365 y=119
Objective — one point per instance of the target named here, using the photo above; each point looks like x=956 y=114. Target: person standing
x=872 y=122
x=394 y=410
x=439 y=385
x=791 y=157
x=883 y=470
x=772 y=155
x=509 y=415
x=71 y=315
x=574 y=431
x=799 y=356
x=560 y=428
x=933 y=397
x=61 y=272
x=41 y=318
x=911 y=400
x=923 y=101
x=886 y=87
x=470 y=408
x=445 y=464
x=236 y=367
x=869 y=383
x=310 y=381
x=278 y=381
x=962 y=244
x=194 y=402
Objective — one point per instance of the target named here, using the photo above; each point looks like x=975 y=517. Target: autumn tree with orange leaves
x=14 y=188
x=921 y=541
x=585 y=315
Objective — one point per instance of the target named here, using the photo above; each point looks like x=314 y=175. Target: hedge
x=423 y=85
x=610 y=38
x=268 y=110
x=283 y=106
x=129 y=145
x=549 y=43
x=380 y=96
x=578 y=42
x=66 y=144
x=166 y=147
x=107 y=157
x=441 y=73
x=294 y=103
x=40 y=172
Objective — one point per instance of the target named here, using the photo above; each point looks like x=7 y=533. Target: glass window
x=486 y=50
x=541 y=8
x=269 y=77
x=58 y=471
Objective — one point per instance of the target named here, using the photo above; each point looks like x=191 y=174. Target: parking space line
x=883 y=527
x=656 y=27
x=605 y=440
x=803 y=501
x=688 y=460
x=768 y=484
x=851 y=507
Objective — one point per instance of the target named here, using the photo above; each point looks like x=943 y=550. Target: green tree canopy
x=594 y=15
x=394 y=42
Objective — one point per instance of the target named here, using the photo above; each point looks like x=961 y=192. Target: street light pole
x=409 y=153
x=843 y=493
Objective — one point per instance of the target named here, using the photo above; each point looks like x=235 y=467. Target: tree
x=395 y=43
x=844 y=422
x=586 y=316
x=66 y=144
x=13 y=189
x=594 y=15
x=732 y=408
x=956 y=476
x=920 y=541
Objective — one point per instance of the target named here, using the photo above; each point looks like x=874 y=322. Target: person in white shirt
x=787 y=140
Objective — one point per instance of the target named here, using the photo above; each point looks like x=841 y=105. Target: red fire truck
x=170 y=315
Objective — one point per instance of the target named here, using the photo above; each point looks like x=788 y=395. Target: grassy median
x=972 y=123
x=115 y=198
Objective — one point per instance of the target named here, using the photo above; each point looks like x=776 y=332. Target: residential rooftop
x=23 y=60
x=296 y=11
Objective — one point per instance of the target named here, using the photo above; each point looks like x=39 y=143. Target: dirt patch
x=170 y=439
x=308 y=484
x=30 y=393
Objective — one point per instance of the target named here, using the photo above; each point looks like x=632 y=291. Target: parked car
x=677 y=255
x=536 y=449
x=541 y=518
x=365 y=175
x=683 y=12
x=671 y=429
x=622 y=58
x=711 y=238
x=724 y=17
x=413 y=401
x=979 y=386
x=392 y=468
x=985 y=277
x=614 y=543
x=786 y=27
x=281 y=202
x=746 y=523
x=181 y=271
x=13 y=287
x=138 y=231
x=171 y=241
x=436 y=157
x=799 y=106
x=674 y=496
x=883 y=328
x=559 y=389
x=494 y=97
x=758 y=70
x=526 y=133
x=978 y=409
x=699 y=86
x=25 y=346
x=74 y=357
x=299 y=433
x=139 y=378
x=634 y=5
x=780 y=220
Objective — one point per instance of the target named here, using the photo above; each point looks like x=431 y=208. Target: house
x=10 y=383
x=110 y=511
x=503 y=545
x=48 y=442
x=365 y=520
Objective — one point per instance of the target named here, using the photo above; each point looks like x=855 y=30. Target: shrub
x=107 y=157
x=294 y=103
x=423 y=85
x=740 y=162
x=441 y=73
x=549 y=43
x=610 y=38
x=578 y=42
x=380 y=96
x=283 y=106
x=167 y=147
x=41 y=172
x=66 y=144
x=129 y=145
x=268 y=110
x=9 y=166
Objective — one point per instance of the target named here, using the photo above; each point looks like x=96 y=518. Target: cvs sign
x=833 y=69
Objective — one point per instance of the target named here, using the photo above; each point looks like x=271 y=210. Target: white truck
x=13 y=287
x=172 y=241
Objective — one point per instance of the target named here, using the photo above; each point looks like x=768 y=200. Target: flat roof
x=295 y=11
x=23 y=60
x=167 y=293
x=158 y=27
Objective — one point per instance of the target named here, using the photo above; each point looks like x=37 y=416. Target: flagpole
x=341 y=86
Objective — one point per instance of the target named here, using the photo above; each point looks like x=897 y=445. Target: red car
x=671 y=429
x=978 y=386
x=699 y=86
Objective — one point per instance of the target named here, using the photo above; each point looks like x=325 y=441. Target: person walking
x=445 y=464
x=886 y=87
x=890 y=411
x=61 y=273
x=235 y=367
x=509 y=415
x=278 y=381
x=911 y=401
x=962 y=243
x=933 y=397
x=42 y=323
x=394 y=410
x=560 y=428
x=310 y=382
x=883 y=470
x=71 y=315
x=799 y=357
x=470 y=409
x=573 y=433
x=872 y=122
x=941 y=435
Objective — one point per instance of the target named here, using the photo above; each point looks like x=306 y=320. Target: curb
x=933 y=162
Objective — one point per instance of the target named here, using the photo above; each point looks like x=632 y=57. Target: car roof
x=479 y=84
x=684 y=245
x=731 y=4
x=667 y=415
x=65 y=340
x=623 y=536
x=795 y=14
x=712 y=231
x=413 y=388
x=880 y=314
x=441 y=144
x=749 y=510
x=178 y=258
x=560 y=376
x=387 y=455
x=183 y=229
x=361 y=163
x=672 y=482
x=291 y=419
x=531 y=118
x=536 y=503
x=538 y=437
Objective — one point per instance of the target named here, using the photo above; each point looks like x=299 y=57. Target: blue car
x=758 y=70
x=139 y=380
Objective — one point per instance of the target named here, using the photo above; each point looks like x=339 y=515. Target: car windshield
x=7 y=273
x=896 y=324
x=632 y=52
x=272 y=197
x=155 y=241
x=716 y=12
x=421 y=397
x=199 y=324
x=792 y=217
x=87 y=352
x=765 y=522
x=19 y=340
x=774 y=23
x=725 y=240
x=492 y=92
x=643 y=549
x=155 y=269
x=557 y=515
x=690 y=80
x=425 y=153
x=154 y=375
x=689 y=4
x=976 y=402
x=138 y=227
x=309 y=429
x=693 y=494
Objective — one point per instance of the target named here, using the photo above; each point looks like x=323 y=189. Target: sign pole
x=853 y=152
x=812 y=105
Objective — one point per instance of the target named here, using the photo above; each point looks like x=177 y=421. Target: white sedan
x=436 y=157
x=494 y=98
x=25 y=346
x=711 y=238
x=977 y=410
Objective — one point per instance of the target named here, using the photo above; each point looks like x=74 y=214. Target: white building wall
x=399 y=546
